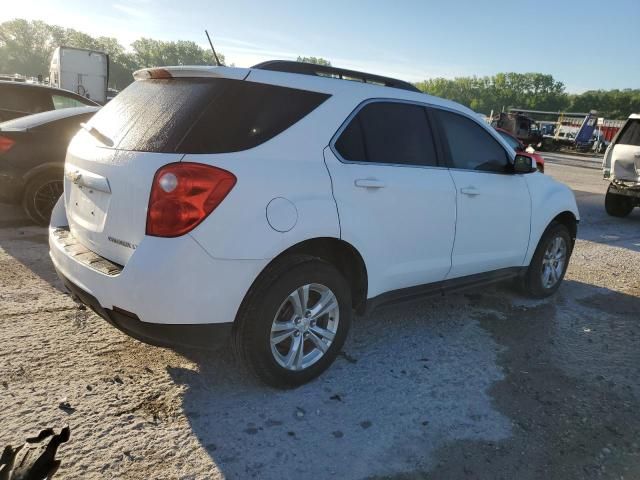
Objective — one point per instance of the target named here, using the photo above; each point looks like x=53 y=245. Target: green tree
x=609 y=103
x=26 y=48
x=315 y=60
x=535 y=91
x=148 y=52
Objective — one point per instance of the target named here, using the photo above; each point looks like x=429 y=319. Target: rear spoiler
x=191 y=72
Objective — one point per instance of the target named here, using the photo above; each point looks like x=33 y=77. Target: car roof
x=316 y=70
x=45 y=87
x=324 y=84
x=35 y=120
x=634 y=116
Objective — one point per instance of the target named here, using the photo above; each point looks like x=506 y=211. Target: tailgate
x=111 y=162
x=106 y=193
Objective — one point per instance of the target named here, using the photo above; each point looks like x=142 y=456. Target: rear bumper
x=167 y=282
x=626 y=190
x=198 y=336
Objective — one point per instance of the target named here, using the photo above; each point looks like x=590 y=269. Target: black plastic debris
x=36 y=459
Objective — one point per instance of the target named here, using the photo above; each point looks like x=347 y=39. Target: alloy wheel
x=553 y=262
x=304 y=326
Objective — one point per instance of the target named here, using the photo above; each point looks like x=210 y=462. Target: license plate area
x=88 y=207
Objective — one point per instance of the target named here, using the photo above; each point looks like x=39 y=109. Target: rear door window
x=389 y=133
x=470 y=146
x=64 y=101
x=189 y=115
x=630 y=134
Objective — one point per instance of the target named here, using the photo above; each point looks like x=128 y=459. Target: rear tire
x=268 y=313
x=617 y=205
x=40 y=196
x=549 y=263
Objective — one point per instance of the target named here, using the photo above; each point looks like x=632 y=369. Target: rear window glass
x=630 y=134
x=64 y=101
x=201 y=115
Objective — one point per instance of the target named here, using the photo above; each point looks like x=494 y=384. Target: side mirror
x=524 y=164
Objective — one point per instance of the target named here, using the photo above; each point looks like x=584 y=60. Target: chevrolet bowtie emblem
x=74 y=177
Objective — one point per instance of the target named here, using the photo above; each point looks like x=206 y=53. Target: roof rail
x=333 y=72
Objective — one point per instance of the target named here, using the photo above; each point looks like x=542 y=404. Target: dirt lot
x=483 y=384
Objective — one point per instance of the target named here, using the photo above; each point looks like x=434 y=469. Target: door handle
x=471 y=191
x=368 y=183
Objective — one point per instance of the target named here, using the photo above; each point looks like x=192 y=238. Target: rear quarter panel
x=289 y=166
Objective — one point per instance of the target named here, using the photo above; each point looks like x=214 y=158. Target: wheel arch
x=565 y=217
x=569 y=220
x=44 y=168
x=342 y=255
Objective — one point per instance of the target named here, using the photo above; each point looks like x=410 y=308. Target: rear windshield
x=192 y=115
x=630 y=134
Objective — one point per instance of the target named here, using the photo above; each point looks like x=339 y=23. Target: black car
x=18 y=99
x=32 y=152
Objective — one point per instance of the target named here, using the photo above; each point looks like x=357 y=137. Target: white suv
x=621 y=166
x=272 y=202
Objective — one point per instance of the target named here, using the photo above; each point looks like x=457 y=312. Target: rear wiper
x=97 y=134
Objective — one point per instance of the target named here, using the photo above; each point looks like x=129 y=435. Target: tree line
x=532 y=91
x=26 y=48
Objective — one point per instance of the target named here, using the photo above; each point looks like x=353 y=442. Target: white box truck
x=85 y=72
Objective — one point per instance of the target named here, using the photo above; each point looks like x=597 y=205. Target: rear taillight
x=183 y=195
x=6 y=144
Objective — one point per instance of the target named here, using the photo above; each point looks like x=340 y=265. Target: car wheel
x=617 y=205
x=294 y=321
x=549 y=262
x=41 y=195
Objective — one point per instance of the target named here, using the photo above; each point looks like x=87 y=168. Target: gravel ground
x=483 y=384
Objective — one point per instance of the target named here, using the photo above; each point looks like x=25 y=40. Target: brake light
x=153 y=73
x=183 y=195
x=6 y=144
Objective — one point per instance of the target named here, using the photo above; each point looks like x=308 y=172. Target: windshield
x=630 y=134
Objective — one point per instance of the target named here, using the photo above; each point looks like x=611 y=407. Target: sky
x=586 y=44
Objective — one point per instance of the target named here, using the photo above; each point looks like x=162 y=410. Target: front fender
x=549 y=198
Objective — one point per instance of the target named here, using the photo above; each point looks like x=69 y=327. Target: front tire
x=549 y=263
x=294 y=321
x=617 y=205
x=41 y=195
